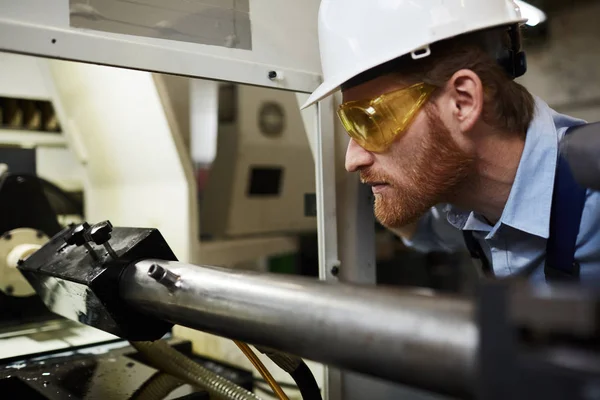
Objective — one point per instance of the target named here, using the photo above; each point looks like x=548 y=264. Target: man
x=458 y=154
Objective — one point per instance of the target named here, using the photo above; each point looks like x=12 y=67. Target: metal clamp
x=100 y=234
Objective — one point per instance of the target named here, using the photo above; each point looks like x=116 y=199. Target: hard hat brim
x=332 y=85
x=324 y=90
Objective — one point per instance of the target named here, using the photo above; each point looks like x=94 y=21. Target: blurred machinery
x=263 y=170
x=55 y=173
x=509 y=341
x=29 y=207
x=32 y=208
x=69 y=145
x=111 y=371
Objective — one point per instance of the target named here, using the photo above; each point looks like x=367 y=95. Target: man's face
x=423 y=167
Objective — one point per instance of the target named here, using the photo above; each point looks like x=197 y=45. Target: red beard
x=437 y=169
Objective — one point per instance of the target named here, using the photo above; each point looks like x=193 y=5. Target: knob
x=100 y=233
x=78 y=235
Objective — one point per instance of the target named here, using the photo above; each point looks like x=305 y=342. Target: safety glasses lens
x=374 y=124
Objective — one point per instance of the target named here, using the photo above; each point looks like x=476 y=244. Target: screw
x=78 y=238
x=7 y=236
x=40 y=234
x=10 y=289
x=100 y=233
x=272 y=75
x=335 y=271
x=90 y=250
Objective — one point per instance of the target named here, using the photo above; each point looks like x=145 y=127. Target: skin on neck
x=497 y=157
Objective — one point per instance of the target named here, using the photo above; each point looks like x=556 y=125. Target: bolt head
x=77 y=237
x=101 y=232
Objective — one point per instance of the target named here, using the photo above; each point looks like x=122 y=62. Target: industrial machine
x=57 y=170
x=263 y=171
x=119 y=134
x=509 y=341
x=34 y=146
x=34 y=206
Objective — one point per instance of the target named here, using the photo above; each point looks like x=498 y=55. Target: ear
x=466 y=97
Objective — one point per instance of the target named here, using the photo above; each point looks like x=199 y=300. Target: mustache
x=370 y=176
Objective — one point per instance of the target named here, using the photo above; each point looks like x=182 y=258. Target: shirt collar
x=468 y=221
x=530 y=199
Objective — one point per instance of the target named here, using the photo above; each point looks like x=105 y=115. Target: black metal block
x=84 y=287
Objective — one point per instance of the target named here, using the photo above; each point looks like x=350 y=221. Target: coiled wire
x=158 y=387
x=165 y=358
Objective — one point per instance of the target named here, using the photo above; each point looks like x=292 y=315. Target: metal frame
x=103 y=49
x=356 y=241
x=326 y=194
x=327 y=220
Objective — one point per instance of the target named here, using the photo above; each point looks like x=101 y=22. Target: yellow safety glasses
x=374 y=124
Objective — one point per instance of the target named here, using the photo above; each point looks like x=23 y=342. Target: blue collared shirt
x=516 y=244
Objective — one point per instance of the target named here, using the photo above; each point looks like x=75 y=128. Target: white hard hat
x=357 y=35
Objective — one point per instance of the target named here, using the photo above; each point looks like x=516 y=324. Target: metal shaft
x=404 y=336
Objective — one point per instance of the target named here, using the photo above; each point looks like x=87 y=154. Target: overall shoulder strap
x=568 y=201
x=477 y=252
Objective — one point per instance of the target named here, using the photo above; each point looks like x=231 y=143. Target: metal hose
x=164 y=357
x=157 y=387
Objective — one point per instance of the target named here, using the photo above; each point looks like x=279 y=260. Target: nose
x=357 y=158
